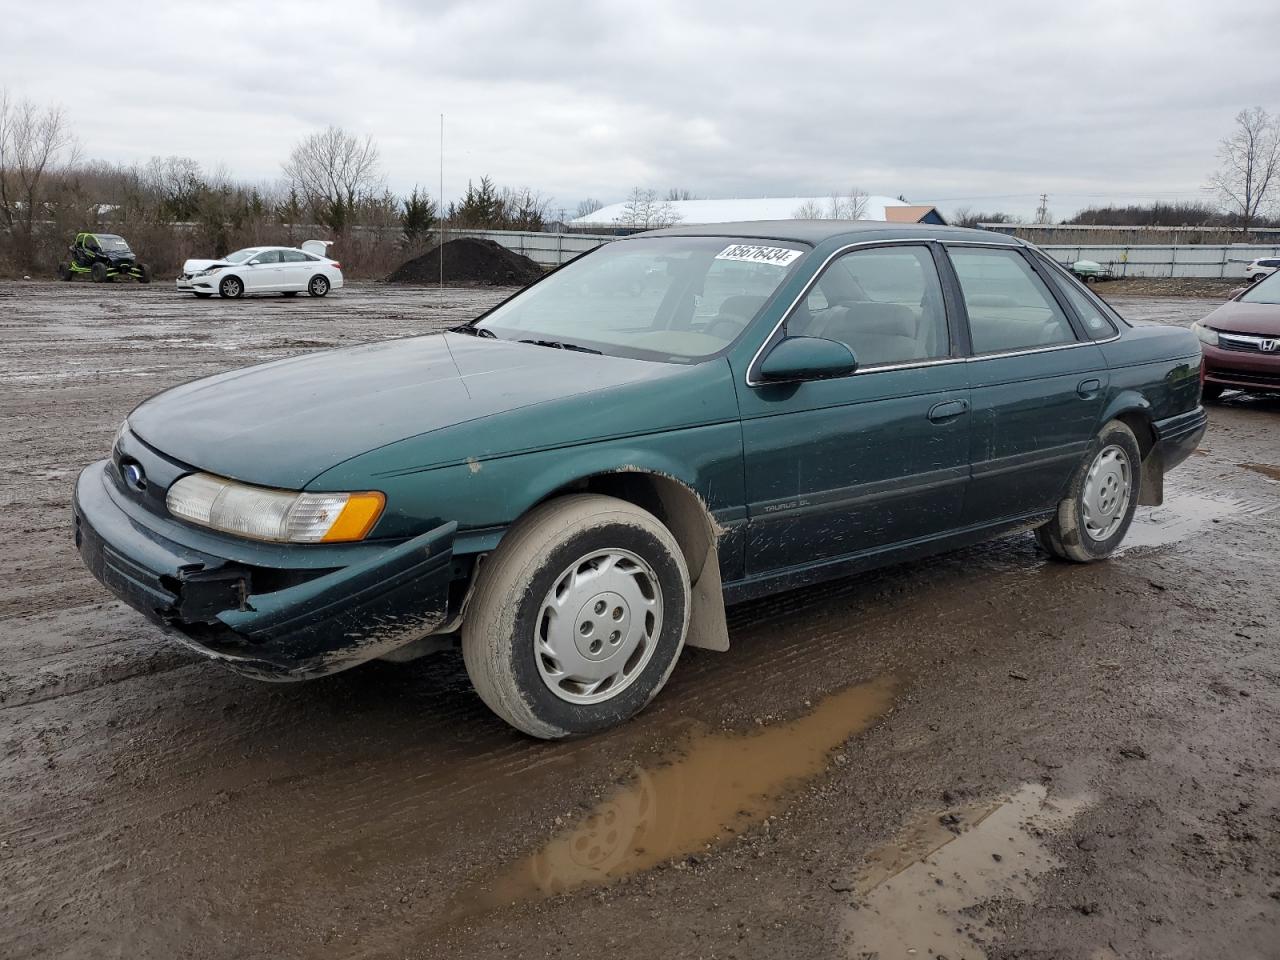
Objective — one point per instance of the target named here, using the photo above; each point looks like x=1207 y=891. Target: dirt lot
x=984 y=754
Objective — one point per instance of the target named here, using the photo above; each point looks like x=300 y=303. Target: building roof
x=816 y=231
x=909 y=213
x=696 y=212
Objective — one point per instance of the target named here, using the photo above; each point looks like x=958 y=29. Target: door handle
x=948 y=410
x=1088 y=389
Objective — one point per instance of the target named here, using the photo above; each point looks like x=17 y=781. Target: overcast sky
x=981 y=104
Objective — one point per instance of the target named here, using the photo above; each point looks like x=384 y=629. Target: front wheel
x=1093 y=518
x=231 y=288
x=578 y=618
x=99 y=272
x=319 y=286
x=144 y=273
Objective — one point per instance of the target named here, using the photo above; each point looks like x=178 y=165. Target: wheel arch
x=1134 y=411
x=682 y=511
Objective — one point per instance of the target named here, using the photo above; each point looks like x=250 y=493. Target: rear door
x=845 y=466
x=1037 y=380
x=296 y=269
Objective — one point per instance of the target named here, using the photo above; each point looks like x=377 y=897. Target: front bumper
x=318 y=622
x=1243 y=369
x=184 y=284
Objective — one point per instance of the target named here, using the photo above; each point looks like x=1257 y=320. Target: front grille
x=1248 y=343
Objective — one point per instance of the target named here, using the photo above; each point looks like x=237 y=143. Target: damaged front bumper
x=274 y=621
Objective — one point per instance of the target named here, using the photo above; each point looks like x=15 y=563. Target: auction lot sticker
x=751 y=253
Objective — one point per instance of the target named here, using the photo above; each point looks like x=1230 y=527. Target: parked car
x=102 y=257
x=1257 y=269
x=1090 y=271
x=581 y=479
x=1241 y=341
x=254 y=270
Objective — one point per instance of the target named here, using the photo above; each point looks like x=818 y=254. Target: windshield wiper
x=472 y=331
x=561 y=345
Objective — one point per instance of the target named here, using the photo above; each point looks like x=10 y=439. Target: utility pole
x=1042 y=211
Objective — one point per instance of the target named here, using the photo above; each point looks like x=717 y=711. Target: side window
x=885 y=303
x=268 y=256
x=1095 y=315
x=293 y=256
x=1009 y=307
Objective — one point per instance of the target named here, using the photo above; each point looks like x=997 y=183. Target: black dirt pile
x=469 y=260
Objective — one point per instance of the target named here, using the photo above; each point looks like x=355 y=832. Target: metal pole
x=440 y=208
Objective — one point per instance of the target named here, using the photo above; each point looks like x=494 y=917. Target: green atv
x=103 y=257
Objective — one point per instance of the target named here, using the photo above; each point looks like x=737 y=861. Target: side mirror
x=254 y=263
x=807 y=358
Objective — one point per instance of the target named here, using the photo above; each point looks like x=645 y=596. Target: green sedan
x=574 y=485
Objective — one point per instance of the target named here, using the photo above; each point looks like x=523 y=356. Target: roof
x=746 y=208
x=816 y=231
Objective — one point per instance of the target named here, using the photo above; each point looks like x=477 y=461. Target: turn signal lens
x=280 y=516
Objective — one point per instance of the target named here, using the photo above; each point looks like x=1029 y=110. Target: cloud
x=995 y=101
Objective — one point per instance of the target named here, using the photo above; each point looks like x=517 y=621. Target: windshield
x=113 y=244
x=240 y=256
x=1266 y=290
x=660 y=298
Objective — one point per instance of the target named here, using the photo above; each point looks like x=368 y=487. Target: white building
x=699 y=212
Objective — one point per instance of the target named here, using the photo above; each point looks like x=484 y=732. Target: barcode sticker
x=777 y=256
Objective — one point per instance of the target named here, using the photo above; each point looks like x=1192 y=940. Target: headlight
x=1206 y=334
x=281 y=516
x=207 y=271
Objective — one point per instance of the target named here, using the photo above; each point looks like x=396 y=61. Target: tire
x=319 y=286
x=1073 y=534
x=64 y=271
x=231 y=287
x=514 y=654
x=289 y=293
x=99 y=272
x=202 y=296
x=1211 y=392
x=144 y=273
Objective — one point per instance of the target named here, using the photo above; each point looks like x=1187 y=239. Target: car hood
x=191 y=266
x=283 y=423
x=1260 y=319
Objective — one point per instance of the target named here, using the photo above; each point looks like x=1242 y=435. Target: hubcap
x=598 y=626
x=319 y=285
x=1107 y=488
x=232 y=287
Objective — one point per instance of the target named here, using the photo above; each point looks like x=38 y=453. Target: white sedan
x=286 y=270
x=1257 y=269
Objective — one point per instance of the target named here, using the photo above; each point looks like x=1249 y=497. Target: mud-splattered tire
x=1092 y=520
x=551 y=556
x=231 y=287
x=98 y=272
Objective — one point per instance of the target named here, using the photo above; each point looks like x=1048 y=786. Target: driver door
x=264 y=275
x=852 y=465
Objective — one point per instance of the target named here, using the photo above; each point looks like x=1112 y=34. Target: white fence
x=1124 y=260
x=1183 y=260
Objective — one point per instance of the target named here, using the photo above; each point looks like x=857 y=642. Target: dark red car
x=1242 y=341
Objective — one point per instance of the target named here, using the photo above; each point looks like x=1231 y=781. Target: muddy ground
x=983 y=754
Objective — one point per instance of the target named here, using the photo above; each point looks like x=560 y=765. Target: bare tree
x=587 y=207
x=334 y=171
x=644 y=210
x=34 y=143
x=851 y=206
x=178 y=182
x=1250 y=169
x=809 y=210
x=680 y=193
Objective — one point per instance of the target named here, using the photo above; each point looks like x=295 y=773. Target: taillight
x=336 y=265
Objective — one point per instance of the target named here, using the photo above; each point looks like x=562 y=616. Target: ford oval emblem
x=133 y=475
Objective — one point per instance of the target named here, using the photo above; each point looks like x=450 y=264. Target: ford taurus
x=574 y=485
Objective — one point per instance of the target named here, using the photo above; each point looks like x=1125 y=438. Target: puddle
x=1181 y=516
x=718 y=785
x=1266 y=469
x=914 y=897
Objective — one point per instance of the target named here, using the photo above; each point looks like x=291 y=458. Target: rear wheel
x=1093 y=518
x=64 y=271
x=99 y=272
x=319 y=286
x=578 y=617
x=144 y=273
x=231 y=287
